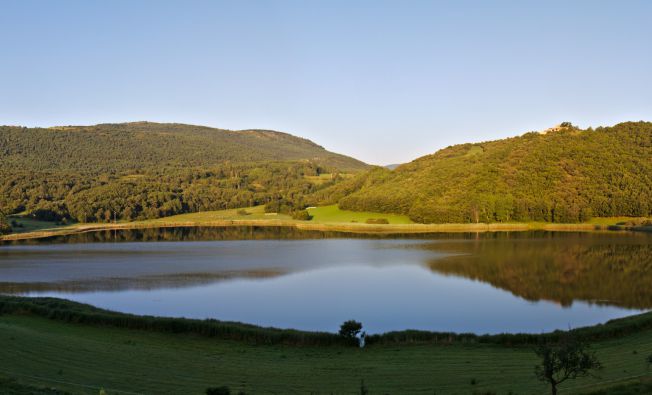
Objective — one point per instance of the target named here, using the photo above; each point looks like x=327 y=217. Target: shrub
x=302 y=215
x=4 y=226
x=243 y=212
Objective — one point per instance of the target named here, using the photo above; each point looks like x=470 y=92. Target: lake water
x=281 y=277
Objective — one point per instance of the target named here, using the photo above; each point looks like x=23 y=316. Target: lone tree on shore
x=568 y=359
x=350 y=329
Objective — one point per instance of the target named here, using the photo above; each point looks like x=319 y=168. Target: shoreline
x=61 y=309
x=334 y=227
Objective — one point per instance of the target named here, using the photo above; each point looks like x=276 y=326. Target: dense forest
x=147 y=170
x=126 y=147
x=565 y=175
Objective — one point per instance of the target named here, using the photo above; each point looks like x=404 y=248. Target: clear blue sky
x=385 y=81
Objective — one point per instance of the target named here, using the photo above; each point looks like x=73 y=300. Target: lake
x=283 y=277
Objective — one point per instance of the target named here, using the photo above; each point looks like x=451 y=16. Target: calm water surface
x=483 y=283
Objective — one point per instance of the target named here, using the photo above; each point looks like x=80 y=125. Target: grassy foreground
x=73 y=353
x=326 y=218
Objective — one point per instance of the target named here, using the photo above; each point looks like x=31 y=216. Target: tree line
x=147 y=194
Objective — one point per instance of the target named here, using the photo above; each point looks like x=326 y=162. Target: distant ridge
x=137 y=145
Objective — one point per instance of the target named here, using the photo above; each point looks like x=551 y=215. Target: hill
x=108 y=148
x=563 y=175
x=148 y=170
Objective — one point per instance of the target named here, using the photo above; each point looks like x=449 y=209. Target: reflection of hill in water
x=601 y=269
x=186 y=234
x=220 y=233
x=179 y=280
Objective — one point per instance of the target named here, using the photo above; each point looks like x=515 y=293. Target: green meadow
x=320 y=215
x=242 y=214
x=333 y=214
x=72 y=351
x=27 y=224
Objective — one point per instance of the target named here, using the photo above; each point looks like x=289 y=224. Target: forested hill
x=148 y=170
x=110 y=148
x=564 y=175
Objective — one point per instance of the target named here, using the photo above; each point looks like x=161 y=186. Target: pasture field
x=241 y=214
x=82 y=358
x=27 y=224
x=333 y=214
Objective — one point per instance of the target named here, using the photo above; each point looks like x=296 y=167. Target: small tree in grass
x=568 y=359
x=350 y=329
x=302 y=215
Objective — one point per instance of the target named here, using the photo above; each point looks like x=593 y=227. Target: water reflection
x=188 y=234
x=610 y=269
x=493 y=282
x=95 y=266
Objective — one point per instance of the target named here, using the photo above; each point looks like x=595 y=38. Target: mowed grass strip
x=159 y=363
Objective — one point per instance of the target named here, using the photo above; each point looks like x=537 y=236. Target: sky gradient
x=383 y=81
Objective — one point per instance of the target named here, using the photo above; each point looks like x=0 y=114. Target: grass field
x=321 y=215
x=252 y=213
x=82 y=358
x=27 y=224
x=615 y=220
x=333 y=214
x=320 y=179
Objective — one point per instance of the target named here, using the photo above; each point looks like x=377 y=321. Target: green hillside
x=565 y=175
x=149 y=170
x=111 y=148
